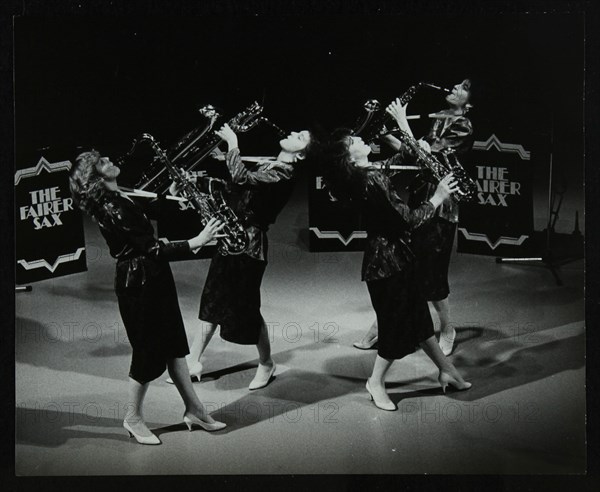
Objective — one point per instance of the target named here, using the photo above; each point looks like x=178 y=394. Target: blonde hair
x=87 y=184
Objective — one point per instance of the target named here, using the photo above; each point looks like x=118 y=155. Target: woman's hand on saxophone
x=397 y=111
x=444 y=190
x=228 y=135
x=175 y=188
x=424 y=145
x=211 y=231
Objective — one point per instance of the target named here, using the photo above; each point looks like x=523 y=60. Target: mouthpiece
x=437 y=87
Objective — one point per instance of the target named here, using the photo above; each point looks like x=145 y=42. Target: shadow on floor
x=55 y=424
x=491 y=367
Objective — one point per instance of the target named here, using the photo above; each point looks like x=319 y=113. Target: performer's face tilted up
x=460 y=94
x=358 y=150
x=296 y=143
x=107 y=169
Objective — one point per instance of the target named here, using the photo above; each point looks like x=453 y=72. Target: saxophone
x=374 y=126
x=196 y=146
x=208 y=205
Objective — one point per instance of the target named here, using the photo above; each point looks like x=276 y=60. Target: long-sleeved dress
x=434 y=240
x=389 y=267
x=144 y=286
x=231 y=294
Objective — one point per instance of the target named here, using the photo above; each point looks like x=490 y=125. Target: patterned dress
x=231 y=295
x=433 y=241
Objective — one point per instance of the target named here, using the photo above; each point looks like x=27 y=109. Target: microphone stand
x=548 y=259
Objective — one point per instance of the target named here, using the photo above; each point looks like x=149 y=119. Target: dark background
x=99 y=81
x=102 y=80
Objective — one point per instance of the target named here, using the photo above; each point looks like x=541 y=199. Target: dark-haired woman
x=451 y=130
x=145 y=290
x=389 y=264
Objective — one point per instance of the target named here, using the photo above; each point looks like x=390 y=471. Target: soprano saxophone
x=208 y=205
x=375 y=127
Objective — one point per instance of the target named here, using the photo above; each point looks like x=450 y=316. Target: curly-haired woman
x=145 y=290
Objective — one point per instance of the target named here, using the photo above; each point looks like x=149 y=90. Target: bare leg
x=447 y=332
x=178 y=370
x=447 y=369
x=133 y=410
x=264 y=346
x=266 y=365
x=369 y=339
x=203 y=336
x=442 y=308
x=377 y=379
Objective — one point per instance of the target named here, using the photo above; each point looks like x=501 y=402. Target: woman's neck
x=363 y=162
x=457 y=110
x=111 y=185
x=287 y=157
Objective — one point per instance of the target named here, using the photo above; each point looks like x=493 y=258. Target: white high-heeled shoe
x=262 y=380
x=447 y=342
x=446 y=379
x=189 y=420
x=152 y=439
x=384 y=405
x=366 y=346
x=195 y=373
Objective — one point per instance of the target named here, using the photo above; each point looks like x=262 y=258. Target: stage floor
x=520 y=342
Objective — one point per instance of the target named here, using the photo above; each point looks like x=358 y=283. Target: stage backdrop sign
x=499 y=221
x=333 y=225
x=49 y=228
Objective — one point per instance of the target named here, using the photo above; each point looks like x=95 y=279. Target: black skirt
x=231 y=297
x=403 y=317
x=152 y=318
x=432 y=244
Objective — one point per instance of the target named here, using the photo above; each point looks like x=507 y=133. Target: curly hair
x=344 y=180
x=87 y=184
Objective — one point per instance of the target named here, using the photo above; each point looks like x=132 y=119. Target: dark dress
x=144 y=286
x=433 y=241
x=231 y=294
x=389 y=267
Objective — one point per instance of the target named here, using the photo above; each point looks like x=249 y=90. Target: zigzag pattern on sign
x=476 y=236
x=41 y=165
x=502 y=147
x=32 y=265
x=336 y=235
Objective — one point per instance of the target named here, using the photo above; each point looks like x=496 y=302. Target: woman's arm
x=379 y=190
x=240 y=174
x=128 y=220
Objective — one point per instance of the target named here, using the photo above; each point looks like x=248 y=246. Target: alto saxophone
x=375 y=127
x=208 y=205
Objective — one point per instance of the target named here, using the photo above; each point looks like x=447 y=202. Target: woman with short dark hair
x=389 y=263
